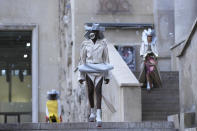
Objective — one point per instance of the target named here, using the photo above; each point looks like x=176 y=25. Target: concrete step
x=161 y=102
x=164 y=97
x=160 y=108
x=146 y=116
x=167 y=85
x=165 y=75
x=106 y=126
x=160 y=105
x=169 y=75
x=161 y=90
x=158 y=113
x=153 y=93
x=156 y=99
x=155 y=118
x=160 y=97
x=170 y=85
x=174 y=102
x=168 y=78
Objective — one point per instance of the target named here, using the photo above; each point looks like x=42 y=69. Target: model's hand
x=81 y=81
x=47 y=119
x=106 y=81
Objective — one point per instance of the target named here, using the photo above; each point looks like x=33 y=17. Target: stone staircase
x=161 y=102
x=106 y=126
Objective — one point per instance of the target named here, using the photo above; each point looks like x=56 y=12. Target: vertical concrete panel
x=188 y=81
x=185 y=14
x=164 y=26
x=132 y=104
x=45 y=14
x=87 y=11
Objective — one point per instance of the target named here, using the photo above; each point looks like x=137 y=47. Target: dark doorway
x=15 y=76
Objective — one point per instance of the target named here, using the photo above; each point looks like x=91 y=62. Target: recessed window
x=16 y=79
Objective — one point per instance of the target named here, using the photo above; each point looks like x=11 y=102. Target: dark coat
x=155 y=75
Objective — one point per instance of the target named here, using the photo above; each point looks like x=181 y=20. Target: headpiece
x=94 y=27
x=53 y=94
x=147 y=33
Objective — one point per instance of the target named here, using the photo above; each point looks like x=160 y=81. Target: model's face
x=149 y=39
x=94 y=34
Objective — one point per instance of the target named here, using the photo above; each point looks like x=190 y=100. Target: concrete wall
x=123 y=92
x=188 y=81
x=140 y=12
x=164 y=26
x=127 y=37
x=184 y=15
x=46 y=15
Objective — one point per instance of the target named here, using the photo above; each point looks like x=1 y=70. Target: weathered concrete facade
x=90 y=13
x=46 y=16
x=185 y=17
x=123 y=92
x=173 y=21
x=183 y=56
x=129 y=11
x=164 y=26
x=60 y=33
x=187 y=68
x=185 y=12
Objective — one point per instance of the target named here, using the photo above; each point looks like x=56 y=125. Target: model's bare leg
x=99 y=94
x=98 y=102
x=149 y=82
x=90 y=87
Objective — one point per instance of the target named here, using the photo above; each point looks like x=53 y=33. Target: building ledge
x=124 y=25
x=188 y=40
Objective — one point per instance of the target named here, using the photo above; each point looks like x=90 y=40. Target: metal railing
x=18 y=114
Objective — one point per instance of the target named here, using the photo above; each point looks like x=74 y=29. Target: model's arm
x=156 y=50
x=106 y=61
x=59 y=108
x=105 y=54
x=82 y=60
x=47 y=114
x=142 y=49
